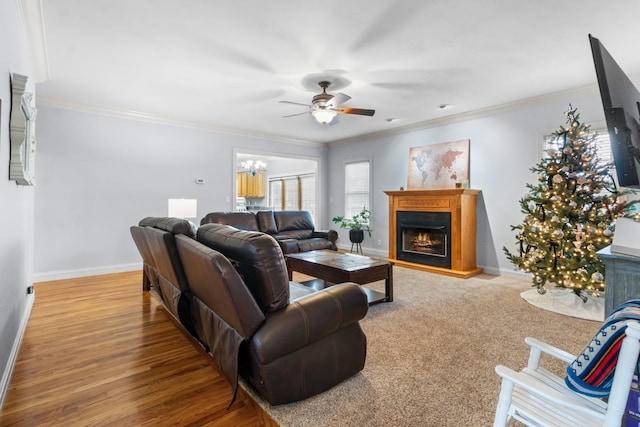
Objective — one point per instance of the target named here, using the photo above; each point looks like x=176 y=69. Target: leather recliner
x=288 y=349
x=230 y=290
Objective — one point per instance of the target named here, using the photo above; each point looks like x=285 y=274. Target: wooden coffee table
x=331 y=267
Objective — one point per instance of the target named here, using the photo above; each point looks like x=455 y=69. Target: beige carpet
x=432 y=351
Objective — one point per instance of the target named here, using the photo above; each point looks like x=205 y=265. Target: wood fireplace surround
x=461 y=204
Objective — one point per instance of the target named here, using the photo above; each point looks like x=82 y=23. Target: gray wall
x=99 y=174
x=503 y=148
x=16 y=204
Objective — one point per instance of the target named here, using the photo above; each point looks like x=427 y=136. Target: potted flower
x=357 y=225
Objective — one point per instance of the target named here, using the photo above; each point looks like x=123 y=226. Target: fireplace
x=434 y=230
x=424 y=237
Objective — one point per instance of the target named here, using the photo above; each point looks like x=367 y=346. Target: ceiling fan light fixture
x=324 y=116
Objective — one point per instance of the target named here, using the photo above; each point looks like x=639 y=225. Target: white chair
x=537 y=397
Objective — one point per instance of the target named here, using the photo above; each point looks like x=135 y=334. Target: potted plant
x=357 y=225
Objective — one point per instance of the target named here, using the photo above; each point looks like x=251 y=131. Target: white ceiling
x=226 y=64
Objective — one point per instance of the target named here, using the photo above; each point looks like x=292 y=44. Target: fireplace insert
x=424 y=238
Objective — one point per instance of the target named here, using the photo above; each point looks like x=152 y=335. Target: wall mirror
x=23 y=132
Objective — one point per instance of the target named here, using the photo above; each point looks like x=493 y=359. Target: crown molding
x=151 y=118
x=561 y=96
x=33 y=26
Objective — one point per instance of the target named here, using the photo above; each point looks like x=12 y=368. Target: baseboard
x=8 y=370
x=509 y=272
x=83 y=272
x=376 y=253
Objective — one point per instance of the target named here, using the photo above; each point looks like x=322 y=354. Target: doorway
x=279 y=173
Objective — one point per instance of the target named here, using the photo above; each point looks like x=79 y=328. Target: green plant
x=359 y=221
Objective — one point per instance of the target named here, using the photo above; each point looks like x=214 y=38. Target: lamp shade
x=324 y=116
x=183 y=208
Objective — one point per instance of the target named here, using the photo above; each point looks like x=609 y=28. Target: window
x=293 y=193
x=275 y=193
x=308 y=194
x=357 y=180
x=603 y=146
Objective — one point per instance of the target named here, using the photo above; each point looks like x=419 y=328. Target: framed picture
x=444 y=165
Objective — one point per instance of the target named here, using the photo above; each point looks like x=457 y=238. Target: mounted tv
x=621 y=102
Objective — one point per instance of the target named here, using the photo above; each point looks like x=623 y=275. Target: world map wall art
x=439 y=165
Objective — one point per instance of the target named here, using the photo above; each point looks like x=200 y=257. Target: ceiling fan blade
x=338 y=100
x=297 y=114
x=360 y=111
x=294 y=103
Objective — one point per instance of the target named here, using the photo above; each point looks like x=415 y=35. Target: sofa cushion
x=259 y=259
x=294 y=234
x=240 y=220
x=314 y=244
x=288 y=246
x=267 y=222
x=293 y=221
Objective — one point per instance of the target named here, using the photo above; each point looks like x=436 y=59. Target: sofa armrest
x=330 y=235
x=309 y=319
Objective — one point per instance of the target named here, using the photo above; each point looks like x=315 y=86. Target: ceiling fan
x=324 y=106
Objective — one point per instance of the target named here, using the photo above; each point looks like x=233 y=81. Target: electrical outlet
x=379 y=242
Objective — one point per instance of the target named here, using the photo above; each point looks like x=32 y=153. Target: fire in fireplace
x=424 y=237
x=433 y=242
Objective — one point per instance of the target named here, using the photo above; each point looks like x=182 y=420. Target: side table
x=622 y=278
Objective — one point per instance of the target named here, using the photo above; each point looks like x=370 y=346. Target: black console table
x=622 y=278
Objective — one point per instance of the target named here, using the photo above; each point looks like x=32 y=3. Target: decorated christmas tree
x=570 y=214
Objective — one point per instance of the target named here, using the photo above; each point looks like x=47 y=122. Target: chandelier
x=254 y=166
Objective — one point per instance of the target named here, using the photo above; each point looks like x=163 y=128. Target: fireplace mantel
x=461 y=203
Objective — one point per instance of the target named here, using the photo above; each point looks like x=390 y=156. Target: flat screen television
x=621 y=102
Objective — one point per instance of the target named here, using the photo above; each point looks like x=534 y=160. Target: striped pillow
x=592 y=372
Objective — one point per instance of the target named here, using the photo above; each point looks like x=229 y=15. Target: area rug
x=565 y=301
x=431 y=354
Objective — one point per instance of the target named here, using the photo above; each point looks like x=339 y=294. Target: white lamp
x=324 y=116
x=183 y=208
x=626 y=239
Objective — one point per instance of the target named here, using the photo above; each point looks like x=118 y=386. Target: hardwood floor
x=100 y=351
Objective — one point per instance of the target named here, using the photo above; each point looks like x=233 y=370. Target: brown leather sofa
x=288 y=341
x=294 y=230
